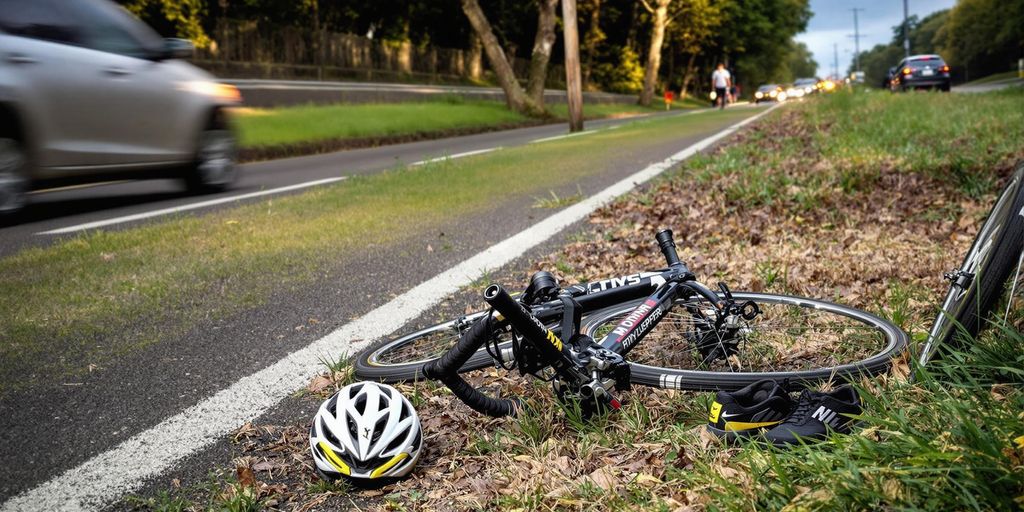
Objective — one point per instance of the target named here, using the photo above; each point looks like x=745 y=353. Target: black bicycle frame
x=674 y=282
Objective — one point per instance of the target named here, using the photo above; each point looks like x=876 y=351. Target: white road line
x=565 y=136
x=453 y=157
x=125 y=467
x=187 y=207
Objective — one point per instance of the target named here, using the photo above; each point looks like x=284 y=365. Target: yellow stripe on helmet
x=335 y=460
x=388 y=465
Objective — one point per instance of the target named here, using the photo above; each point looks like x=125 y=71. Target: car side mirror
x=175 y=48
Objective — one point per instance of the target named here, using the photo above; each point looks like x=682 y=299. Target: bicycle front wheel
x=804 y=340
x=979 y=282
x=400 y=359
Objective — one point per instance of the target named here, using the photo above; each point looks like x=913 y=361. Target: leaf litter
x=765 y=212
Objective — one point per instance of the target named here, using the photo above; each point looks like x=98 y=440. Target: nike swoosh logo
x=725 y=415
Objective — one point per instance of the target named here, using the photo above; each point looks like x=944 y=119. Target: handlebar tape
x=446 y=370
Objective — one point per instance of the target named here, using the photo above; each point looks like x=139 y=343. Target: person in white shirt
x=721 y=81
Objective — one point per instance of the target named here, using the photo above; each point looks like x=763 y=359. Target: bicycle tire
x=657 y=374
x=394 y=360
x=992 y=257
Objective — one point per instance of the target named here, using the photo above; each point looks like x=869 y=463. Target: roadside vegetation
x=71 y=307
x=997 y=77
x=863 y=199
x=292 y=131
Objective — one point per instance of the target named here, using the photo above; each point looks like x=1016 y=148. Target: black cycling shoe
x=816 y=415
x=750 y=410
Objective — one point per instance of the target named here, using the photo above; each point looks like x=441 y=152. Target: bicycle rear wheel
x=803 y=340
x=981 y=278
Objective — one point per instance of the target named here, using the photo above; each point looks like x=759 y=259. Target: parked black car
x=920 y=72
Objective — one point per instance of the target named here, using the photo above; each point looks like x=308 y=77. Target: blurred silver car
x=90 y=93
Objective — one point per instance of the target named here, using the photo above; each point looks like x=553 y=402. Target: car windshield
x=766 y=88
x=806 y=81
x=933 y=62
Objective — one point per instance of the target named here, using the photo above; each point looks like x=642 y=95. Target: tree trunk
x=687 y=77
x=515 y=97
x=660 y=12
x=475 y=53
x=542 y=45
x=573 y=87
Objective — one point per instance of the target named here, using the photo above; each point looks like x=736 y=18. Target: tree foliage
x=985 y=36
x=975 y=37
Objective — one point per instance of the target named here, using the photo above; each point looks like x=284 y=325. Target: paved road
x=59 y=425
x=991 y=86
x=272 y=93
x=76 y=206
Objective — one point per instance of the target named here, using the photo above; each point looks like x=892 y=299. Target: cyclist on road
x=721 y=81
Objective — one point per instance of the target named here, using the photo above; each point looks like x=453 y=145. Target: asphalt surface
x=74 y=206
x=274 y=93
x=991 y=86
x=58 y=425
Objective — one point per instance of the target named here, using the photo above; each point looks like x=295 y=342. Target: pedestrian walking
x=721 y=82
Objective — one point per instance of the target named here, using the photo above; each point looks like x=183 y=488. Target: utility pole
x=573 y=83
x=906 y=30
x=835 y=61
x=856 y=39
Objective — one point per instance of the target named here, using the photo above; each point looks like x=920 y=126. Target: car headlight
x=782 y=96
x=224 y=92
x=808 y=89
x=758 y=94
x=713 y=95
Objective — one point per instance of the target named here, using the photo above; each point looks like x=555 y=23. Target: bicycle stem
x=551 y=347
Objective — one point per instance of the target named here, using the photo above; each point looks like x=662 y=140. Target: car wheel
x=214 y=168
x=13 y=179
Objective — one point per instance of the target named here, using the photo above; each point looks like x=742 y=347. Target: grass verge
x=953 y=441
x=74 y=306
x=292 y=131
x=1006 y=75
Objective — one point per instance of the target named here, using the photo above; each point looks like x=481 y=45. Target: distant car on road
x=770 y=92
x=921 y=72
x=90 y=93
x=889 y=75
x=807 y=85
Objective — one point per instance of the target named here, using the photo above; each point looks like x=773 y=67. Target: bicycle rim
x=795 y=338
x=400 y=358
x=990 y=260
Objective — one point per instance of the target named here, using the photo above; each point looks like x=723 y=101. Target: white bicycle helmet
x=365 y=431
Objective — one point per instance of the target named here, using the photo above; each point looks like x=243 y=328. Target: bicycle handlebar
x=446 y=370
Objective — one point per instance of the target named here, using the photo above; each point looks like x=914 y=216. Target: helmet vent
x=361 y=404
x=378 y=429
x=352 y=428
x=418 y=441
x=405 y=412
x=331 y=438
x=396 y=443
x=332 y=405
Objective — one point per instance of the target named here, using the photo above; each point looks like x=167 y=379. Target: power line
x=856 y=39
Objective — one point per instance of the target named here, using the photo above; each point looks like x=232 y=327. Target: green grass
x=76 y=305
x=317 y=123
x=290 y=125
x=944 y=443
x=855 y=136
x=994 y=78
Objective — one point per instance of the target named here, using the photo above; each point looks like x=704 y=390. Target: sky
x=832 y=22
